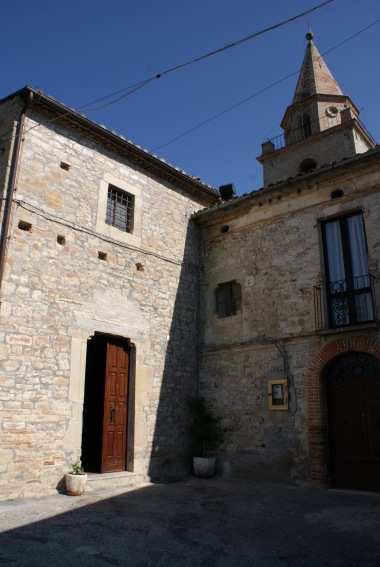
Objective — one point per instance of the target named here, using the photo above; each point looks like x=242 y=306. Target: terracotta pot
x=204 y=466
x=75 y=484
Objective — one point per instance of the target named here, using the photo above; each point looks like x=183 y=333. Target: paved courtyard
x=214 y=523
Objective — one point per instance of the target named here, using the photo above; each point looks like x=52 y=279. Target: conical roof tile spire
x=320 y=126
x=315 y=76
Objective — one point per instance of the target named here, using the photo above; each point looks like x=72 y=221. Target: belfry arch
x=316 y=400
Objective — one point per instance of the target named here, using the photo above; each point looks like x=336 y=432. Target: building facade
x=128 y=285
x=291 y=347
x=99 y=304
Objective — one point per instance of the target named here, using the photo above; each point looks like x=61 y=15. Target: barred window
x=119 y=211
x=228 y=299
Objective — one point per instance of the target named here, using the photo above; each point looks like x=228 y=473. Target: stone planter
x=204 y=466
x=75 y=484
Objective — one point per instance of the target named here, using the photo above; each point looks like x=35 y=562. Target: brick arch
x=316 y=400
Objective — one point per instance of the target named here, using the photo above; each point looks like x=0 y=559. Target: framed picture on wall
x=278 y=394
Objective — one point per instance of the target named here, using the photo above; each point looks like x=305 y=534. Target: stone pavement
x=214 y=523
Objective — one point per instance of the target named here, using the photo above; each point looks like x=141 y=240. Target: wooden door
x=353 y=402
x=114 y=445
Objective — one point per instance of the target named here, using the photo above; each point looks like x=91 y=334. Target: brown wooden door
x=353 y=402
x=114 y=443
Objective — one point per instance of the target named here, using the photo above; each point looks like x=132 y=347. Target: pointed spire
x=315 y=76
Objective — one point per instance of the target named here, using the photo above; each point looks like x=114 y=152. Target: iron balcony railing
x=305 y=131
x=343 y=303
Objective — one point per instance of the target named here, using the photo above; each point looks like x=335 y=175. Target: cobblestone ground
x=215 y=523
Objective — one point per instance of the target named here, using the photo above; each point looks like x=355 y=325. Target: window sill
x=349 y=328
x=116 y=234
x=221 y=320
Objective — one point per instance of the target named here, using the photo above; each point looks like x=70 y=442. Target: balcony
x=313 y=127
x=344 y=303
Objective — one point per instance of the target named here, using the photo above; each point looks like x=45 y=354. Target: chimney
x=227 y=191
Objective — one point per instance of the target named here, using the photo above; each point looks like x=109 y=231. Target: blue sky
x=81 y=51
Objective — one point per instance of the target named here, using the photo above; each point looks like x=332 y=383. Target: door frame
x=317 y=425
x=353 y=403
x=130 y=433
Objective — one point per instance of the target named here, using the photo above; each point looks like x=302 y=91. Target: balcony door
x=349 y=290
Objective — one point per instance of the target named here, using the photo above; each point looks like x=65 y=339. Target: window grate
x=119 y=209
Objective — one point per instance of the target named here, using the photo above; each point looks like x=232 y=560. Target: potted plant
x=205 y=433
x=76 y=480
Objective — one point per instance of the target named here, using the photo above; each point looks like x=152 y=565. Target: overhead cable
x=202 y=57
x=257 y=93
x=141 y=84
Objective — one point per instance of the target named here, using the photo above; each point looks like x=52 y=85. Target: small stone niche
x=24 y=225
x=102 y=256
x=336 y=193
x=61 y=240
x=64 y=165
x=139 y=267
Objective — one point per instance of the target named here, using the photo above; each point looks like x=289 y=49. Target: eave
x=270 y=195
x=72 y=120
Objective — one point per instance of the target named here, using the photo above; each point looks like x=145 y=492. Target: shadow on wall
x=170 y=457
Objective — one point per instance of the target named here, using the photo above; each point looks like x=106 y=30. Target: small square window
x=228 y=299
x=119 y=211
x=120 y=208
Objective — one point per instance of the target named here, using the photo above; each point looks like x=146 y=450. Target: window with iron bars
x=119 y=211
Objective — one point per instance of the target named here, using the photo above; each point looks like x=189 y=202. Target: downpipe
x=11 y=188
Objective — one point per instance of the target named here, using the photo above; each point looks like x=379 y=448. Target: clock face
x=332 y=111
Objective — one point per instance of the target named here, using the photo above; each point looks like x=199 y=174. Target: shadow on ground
x=214 y=522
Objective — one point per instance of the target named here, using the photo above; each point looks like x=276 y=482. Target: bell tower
x=321 y=125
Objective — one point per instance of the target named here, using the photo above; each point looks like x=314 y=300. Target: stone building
x=290 y=353
x=127 y=285
x=100 y=270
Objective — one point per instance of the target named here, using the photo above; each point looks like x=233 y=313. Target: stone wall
x=69 y=276
x=286 y=162
x=65 y=280
x=270 y=243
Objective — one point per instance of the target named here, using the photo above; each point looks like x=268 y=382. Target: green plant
x=204 y=429
x=77 y=468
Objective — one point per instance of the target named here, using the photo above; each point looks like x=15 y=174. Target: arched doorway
x=353 y=413
x=317 y=425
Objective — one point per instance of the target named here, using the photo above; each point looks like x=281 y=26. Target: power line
x=202 y=57
x=133 y=88
x=224 y=112
x=81 y=228
x=94 y=159
x=109 y=96
x=256 y=94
